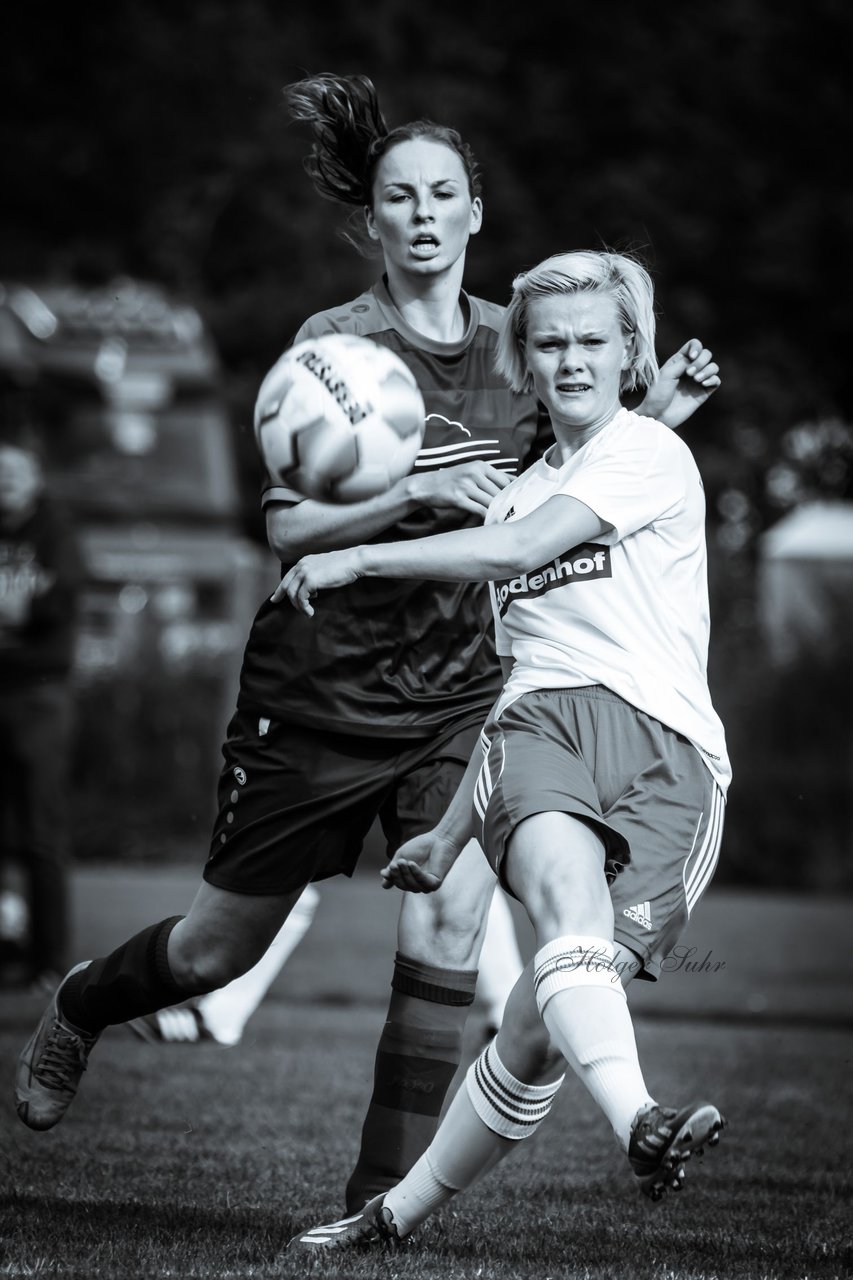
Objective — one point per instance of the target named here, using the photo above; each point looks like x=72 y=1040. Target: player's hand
x=316 y=573
x=421 y=864
x=684 y=382
x=469 y=486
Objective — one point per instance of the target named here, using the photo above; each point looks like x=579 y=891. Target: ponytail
x=346 y=121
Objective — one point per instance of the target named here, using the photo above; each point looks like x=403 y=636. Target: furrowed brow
x=408 y=186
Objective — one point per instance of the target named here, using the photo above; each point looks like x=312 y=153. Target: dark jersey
x=402 y=658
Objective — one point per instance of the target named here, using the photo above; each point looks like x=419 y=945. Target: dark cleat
x=663 y=1140
x=51 y=1066
x=372 y=1225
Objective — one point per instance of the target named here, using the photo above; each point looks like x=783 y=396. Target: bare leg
x=222 y=935
x=555 y=865
x=226 y=1010
x=500 y=960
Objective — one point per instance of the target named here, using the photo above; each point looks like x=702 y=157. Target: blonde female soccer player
x=599 y=792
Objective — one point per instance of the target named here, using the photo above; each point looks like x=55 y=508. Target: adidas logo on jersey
x=510 y=514
x=641 y=913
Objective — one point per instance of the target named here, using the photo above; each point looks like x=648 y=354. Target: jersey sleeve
x=640 y=478
x=362 y=316
x=314 y=327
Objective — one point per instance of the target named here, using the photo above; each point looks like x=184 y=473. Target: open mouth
x=572 y=388
x=424 y=244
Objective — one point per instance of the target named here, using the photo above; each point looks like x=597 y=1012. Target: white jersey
x=629 y=611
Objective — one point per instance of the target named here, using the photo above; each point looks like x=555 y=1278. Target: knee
x=555 y=865
x=201 y=965
x=441 y=930
x=573 y=907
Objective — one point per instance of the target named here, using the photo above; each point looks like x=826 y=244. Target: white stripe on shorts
x=481 y=798
x=697 y=878
x=485 y=784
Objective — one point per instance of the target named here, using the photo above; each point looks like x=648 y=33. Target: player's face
x=576 y=351
x=423 y=213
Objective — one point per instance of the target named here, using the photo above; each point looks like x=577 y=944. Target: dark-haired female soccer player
x=373 y=709
x=600 y=789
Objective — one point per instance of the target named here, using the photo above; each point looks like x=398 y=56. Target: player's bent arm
x=490 y=553
x=422 y=864
x=685 y=381
x=301 y=528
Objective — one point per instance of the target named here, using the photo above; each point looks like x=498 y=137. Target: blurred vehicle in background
x=123 y=385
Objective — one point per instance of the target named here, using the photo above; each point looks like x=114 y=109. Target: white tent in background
x=805 y=582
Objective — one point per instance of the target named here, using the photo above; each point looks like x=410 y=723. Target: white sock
x=227 y=1010
x=484 y=1122
x=421 y=1192
x=508 y=1107
x=500 y=959
x=582 y=1001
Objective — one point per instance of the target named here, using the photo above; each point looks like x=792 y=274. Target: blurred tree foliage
x=151 y=139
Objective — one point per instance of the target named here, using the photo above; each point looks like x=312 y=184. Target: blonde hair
x=585 y=271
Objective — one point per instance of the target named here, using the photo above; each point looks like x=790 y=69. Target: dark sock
x=417 y=1058
x=132 y=980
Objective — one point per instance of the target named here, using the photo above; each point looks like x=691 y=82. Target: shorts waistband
x=599 y=692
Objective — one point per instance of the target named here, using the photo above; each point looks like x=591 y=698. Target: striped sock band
x=572 y=961
x=429 y=982
x=507 y=1106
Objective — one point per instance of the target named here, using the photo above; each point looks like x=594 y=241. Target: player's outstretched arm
x=494 y=551
x=685 y=381
x=307 y=527
x=422 y=863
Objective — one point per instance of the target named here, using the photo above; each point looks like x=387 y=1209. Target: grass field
x=202 y=1162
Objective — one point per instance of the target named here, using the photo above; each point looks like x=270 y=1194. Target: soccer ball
x=339 y=418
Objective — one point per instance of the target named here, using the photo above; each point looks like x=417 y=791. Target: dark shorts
x=643 y=787
x=296 y=803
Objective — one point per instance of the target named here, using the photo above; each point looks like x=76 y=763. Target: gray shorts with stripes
x=644 y=787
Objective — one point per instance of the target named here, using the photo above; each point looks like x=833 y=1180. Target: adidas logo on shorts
x=641 y=913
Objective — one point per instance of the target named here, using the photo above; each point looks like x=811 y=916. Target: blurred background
x=160 y=244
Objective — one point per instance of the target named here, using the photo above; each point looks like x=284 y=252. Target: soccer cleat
x=184 y=1024
x=51 y=1065
x=663 y=1140
x=374 y=1224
